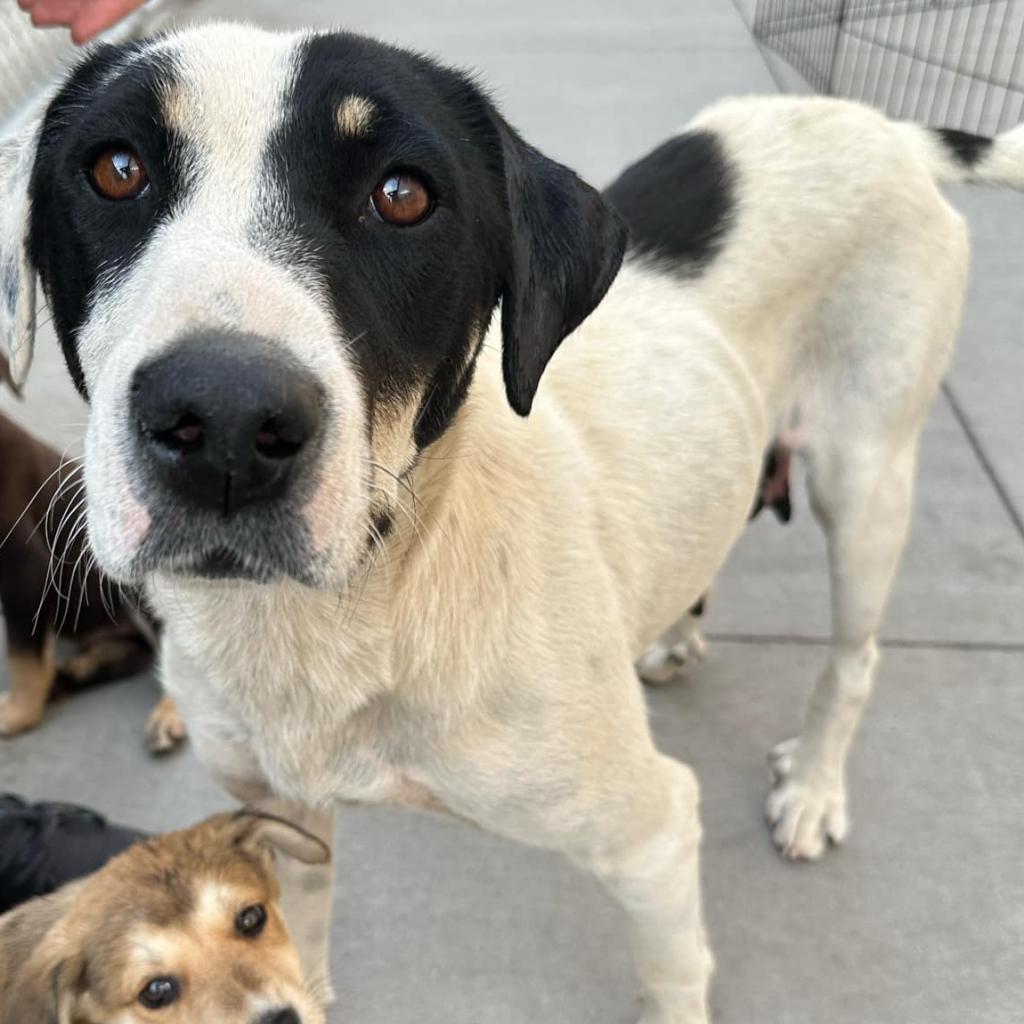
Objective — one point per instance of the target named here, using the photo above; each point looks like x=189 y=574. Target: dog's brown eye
x=160 y=992
x=251 y=921
x=401 y=199
x=117 y=173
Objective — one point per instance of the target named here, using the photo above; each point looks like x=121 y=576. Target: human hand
x=85 y=18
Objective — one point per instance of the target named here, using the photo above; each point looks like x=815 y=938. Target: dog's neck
x=349 y=640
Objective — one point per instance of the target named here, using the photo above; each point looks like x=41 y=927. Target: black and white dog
x=395 y=563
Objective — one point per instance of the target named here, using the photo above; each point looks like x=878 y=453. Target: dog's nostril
x=285 y=1016
x=186 y=435
x=274 y=441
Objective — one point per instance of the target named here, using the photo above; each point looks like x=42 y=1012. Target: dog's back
x=781 y=203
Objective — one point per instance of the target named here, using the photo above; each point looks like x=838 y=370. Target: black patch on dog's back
x=678 y=200
x=967 y=148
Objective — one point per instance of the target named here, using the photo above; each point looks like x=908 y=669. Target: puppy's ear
x=43 y=991
x=258 y=830
x=17 y=278
x=567 y=246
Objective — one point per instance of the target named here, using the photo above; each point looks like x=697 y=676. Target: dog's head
x=271 y=261
x=181 y=928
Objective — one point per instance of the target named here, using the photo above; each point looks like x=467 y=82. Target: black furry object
x=46 y=845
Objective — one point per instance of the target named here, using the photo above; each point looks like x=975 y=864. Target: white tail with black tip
x=954 y=156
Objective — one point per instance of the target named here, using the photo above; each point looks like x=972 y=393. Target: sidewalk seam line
x=894 y=643
x=982 y=456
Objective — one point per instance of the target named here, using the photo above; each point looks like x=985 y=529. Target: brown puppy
x=48 y=590
x=183 y=927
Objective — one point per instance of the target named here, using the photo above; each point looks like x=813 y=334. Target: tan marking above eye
x=402 y=199
x=118 y=173
x=354 y=115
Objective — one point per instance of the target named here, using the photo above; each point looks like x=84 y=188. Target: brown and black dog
x=186 y=926
x=49 y=591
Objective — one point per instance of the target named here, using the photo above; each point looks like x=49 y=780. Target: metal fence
x=953 y=63
x=32 y=59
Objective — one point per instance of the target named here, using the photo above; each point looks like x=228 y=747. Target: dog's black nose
x=285 y=1016
x=224 y=418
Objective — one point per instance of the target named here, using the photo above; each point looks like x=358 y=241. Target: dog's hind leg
x=592 y=785
x=668 y=658
x=884 y=338
x=32 y=670
x=863 y=501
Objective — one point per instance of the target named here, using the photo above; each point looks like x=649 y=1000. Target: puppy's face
x=183 y=928
x=271 y=262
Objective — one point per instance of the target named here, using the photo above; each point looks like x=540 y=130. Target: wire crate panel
x=32 y=59
x=954 y=63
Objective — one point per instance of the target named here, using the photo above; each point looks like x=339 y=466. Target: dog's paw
x=693 y=1012
x=76 y=670
x=16 y=718
x=165 y=731
x=662 y=664
x=805 y=813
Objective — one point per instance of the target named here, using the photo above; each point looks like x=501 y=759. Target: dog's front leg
x=225 y=747
x=32 y=672
x=307 y=894
x=307 y=890
x=652 y=869
x=591 y=784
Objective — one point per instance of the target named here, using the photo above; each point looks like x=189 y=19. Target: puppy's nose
x=223 y=419
x=285 y=1016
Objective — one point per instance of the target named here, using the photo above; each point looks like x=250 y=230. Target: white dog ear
x=17 y=277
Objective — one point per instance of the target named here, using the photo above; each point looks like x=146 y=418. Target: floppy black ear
x=566 y=248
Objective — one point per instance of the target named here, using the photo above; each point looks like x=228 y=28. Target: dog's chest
x=317 y=753
x=308 y=710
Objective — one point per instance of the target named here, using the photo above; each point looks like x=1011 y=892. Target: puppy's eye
x=251 y=921
x=160 y=992
x=402 y=199
x=117 y=173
